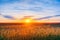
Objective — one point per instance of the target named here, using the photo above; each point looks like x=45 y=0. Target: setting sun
x=27 y=21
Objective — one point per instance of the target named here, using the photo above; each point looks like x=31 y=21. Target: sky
x=36 y=8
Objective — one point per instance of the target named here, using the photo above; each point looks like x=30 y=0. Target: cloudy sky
x=37 y=8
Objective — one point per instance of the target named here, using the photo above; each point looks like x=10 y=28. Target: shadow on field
x=50 y=37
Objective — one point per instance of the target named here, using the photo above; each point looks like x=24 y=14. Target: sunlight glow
x=27 y=21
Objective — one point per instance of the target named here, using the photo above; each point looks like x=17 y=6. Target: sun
x=27 y=21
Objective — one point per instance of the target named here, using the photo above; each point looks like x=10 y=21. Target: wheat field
x=29 y=32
